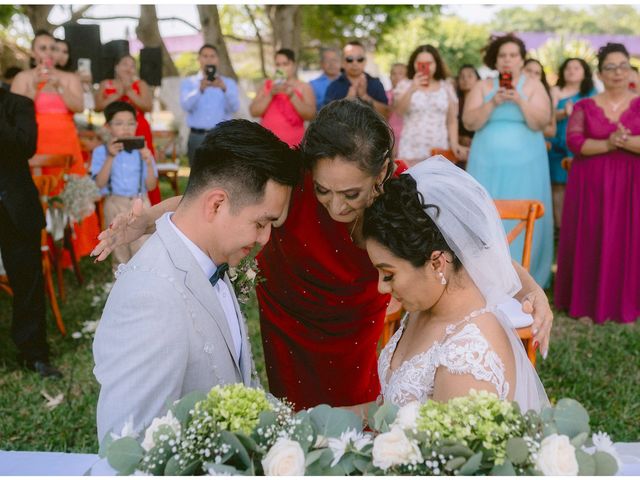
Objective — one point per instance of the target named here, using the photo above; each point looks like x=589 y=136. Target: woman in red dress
x=128 y=88
x=321 y=315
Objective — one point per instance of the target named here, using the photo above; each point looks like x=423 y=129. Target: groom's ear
x=213 y=201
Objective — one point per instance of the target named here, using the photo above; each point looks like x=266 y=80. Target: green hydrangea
x=233 y=407
x=480 y=421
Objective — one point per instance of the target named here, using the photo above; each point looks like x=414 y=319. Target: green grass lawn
x=597 y=365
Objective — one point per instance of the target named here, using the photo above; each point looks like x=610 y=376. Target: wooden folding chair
x=45 y=185
x=63 y=163
x=4 y=285
x=163 y=141
x=448 y=154
x=527 y=212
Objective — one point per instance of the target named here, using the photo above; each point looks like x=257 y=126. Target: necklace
x=353 y=228
x=616 y=105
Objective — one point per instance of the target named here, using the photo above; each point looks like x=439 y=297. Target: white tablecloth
x=68 y=464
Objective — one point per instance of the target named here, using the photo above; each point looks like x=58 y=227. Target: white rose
x=557 y=456
x=407 y=416
x=285 y=458
x=149 y=442
x=394 y=448
x=251 y=275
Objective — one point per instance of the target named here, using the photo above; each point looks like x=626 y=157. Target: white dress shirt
x=222 y=290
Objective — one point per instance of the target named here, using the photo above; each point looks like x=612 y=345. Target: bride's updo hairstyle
x=353 y=131
x=397 y=220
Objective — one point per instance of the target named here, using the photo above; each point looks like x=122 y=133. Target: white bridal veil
x=471 y=226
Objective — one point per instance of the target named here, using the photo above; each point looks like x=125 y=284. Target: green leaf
x=249 y=443
x=363 y=464
x=456 y=463
x=236 y=447
x=124 y=455
x=104 y=446
x=586 y=463
x=384 y=416
x=173 y=468
x=457 y=450
x=322 y=465
x=221 y=469
x=605 y=464
x=313 y=457
x=472 y=465
x=346 y=463
x=185 y=405
x=304 y=433
x=332 y=422
x=579 y=439
x=517 y=450
x=570 y=418
x=506 y=469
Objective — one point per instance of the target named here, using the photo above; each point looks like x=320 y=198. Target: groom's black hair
x=241 y=156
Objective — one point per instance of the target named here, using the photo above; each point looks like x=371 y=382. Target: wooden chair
x=527 y=211
x=163 y=141
x=448 y=154
x=63 y=163
x=89 y=140
x=45 y=185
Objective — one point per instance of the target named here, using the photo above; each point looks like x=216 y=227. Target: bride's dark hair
x=397 y=220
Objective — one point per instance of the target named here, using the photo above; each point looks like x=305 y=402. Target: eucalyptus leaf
x=187 y=403
x=457 y=450
x=236 y=447
x=346 y=463
x=472 y=465
x=362 y=464
x=313 y=457
x=331 y=422
x=586 y=464
x=124 y=455
x=173 y=468
x=605 y=464
x=579 y=439
x=506 y=469
x=384 y=416
x=249 y=443
x=456 y=463
x=304 y=432
x=220 y=469
x=570 y=418
x=104 y=446
x=517 y=450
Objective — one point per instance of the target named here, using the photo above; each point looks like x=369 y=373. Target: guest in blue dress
x=508 y=155
x=574 y=83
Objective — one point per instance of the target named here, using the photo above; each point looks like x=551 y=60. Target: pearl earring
x=443 y=281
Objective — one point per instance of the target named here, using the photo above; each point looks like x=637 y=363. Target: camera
x=210 y=70
x=131 y=143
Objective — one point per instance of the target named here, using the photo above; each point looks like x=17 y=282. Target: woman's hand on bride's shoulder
x=536 y=303
x=125 y=228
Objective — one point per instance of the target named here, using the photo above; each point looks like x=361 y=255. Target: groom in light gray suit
x=172 y=323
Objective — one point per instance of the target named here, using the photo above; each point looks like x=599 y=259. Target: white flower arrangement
x=79 y=196
x=237 y=430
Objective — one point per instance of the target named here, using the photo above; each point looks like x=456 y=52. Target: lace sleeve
x=468 y=353
x=576 y=135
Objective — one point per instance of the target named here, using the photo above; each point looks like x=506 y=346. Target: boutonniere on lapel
x=245 y=277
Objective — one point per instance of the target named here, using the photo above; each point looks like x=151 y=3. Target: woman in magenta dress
x=599 y=251
x=128 y=88
x=285 y=102
x=321 y=315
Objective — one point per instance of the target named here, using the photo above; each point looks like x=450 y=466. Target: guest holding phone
x=124 y=169
x=508 y=155
x=127 y=87
x=429 y=107
x=207 y=99
x=285 y=102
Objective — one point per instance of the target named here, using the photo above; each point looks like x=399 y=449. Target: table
x=77 y=464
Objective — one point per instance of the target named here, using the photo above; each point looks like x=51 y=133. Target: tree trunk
x=260 y=40
x=149 y=34
x=287 y=23
x=38 y=16
x=212 y=34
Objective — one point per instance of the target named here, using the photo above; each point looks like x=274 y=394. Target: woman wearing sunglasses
x=355 y=82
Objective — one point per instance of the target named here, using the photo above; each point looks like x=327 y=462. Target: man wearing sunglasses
x=355 y=82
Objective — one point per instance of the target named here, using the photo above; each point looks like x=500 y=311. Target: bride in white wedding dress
x=440 y=249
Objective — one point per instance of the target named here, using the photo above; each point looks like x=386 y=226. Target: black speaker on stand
x=151 y=65
x=112 y=52
x=84 y=42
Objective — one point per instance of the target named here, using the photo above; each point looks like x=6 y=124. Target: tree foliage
x=6 y=12
x=600 y=19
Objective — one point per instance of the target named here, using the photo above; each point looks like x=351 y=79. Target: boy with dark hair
x=122 y=175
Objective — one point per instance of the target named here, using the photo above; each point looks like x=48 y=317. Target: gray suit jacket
x=163 y=334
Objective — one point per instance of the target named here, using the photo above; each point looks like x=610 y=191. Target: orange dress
x=57 y=134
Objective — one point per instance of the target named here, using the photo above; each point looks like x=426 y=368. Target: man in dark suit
x=21 y=221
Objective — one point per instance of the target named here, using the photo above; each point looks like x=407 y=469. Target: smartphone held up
x=210 y=70
x=506 y=80
x=130 y=144
x=424 y=69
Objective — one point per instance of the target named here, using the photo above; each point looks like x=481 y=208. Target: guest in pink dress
x=285 y=102
x=599 y=251
x=398 y=72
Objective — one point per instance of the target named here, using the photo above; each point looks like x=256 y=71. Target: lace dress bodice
x=464 y=350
